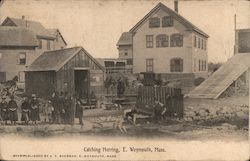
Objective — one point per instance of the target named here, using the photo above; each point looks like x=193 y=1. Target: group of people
x=8 y=110
x=59 y=109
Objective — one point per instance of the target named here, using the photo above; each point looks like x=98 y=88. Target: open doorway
x=82 y=83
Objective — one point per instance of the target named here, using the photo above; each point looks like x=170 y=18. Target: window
x=176 y=65
x=195 y=41
x=205 y=45
x=21 y=77
x=48 y=45
x=149 y=65
x=40 y=44
x=167 y=21
x=199 y=43
x=202 y=65
x=194 y=65
x=154 y=22
x=22 y=58
x=176 y=40
x=202 y=45
x=161 y=40
x=149 y=41
x=205 y=65
x=129 y=61
x=199 y=65
x=126 y=52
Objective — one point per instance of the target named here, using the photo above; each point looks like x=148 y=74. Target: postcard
x=124 y=80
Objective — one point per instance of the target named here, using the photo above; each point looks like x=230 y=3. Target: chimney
x=176 y=6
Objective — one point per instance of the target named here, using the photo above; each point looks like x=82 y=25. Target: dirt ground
x=100 y=122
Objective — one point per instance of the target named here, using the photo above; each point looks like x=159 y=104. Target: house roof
x=36 y=27
x=125 y=39
x=55 y=60
x=17 y=36
x=175 y=15
x=55 y=33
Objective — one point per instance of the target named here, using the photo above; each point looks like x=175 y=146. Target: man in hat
x=34 y=109
x=12 y=110
x=120 y=87
x=4 y=109
x=159 y=111
x=25 y=107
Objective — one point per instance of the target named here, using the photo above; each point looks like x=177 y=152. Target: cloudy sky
x=97 y=25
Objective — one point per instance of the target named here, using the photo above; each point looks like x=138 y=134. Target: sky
x=97 y=24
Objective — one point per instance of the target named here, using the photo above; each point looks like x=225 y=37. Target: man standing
x=12 y=110
x=79 y=111
x=54 y=102
x=120 y=87
x=34 y=110
x=4 y=109
x=61 y=105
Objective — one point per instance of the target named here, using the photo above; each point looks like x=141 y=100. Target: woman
x=34 y=109
x=12 y=110
x=4 y=110
x=25 y=110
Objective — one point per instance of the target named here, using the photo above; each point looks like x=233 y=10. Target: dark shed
x=71 y=70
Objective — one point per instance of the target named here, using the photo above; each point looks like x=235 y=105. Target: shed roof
x=17 y=36
x=54 y=60
x=174 y=14
x=125 y=39
x=35 y=26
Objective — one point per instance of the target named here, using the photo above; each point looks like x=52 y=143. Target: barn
x=71 y=70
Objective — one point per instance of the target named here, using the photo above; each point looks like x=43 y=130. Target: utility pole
x=235 y=36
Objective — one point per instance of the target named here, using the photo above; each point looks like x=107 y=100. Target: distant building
x=165 y=43
x=242 y=41
x=21 y=42
x=125 y=48
x=114 y=66
x=71 y=70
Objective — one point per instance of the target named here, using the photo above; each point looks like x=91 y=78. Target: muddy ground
x=223 y=119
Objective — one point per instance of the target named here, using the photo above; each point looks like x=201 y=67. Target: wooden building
x=71 y=70
x=21 y=42
x=165 y=43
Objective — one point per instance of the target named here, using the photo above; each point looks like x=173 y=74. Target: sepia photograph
x=124 y=79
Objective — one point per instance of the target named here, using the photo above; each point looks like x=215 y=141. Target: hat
x=49 y=101
x=33 y=95
x=4 y=97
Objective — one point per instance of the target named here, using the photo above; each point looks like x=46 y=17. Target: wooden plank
x=217 y=83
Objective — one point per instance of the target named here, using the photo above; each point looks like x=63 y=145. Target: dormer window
x=167 y=21
x=154 y=22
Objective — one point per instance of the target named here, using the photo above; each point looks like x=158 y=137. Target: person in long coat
x=34 y=109
x=54 y=103
x=25 y=107
x=79 y=111
x=4 y=110
x=120 y=87
x=12 y=105
x=67 y=107
x=61 y=103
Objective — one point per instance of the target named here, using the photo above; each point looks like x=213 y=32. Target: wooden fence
x=147 y=95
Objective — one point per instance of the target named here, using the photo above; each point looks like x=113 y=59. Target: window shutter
x=181 y=65
x=172 y=65
x=172 y=40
